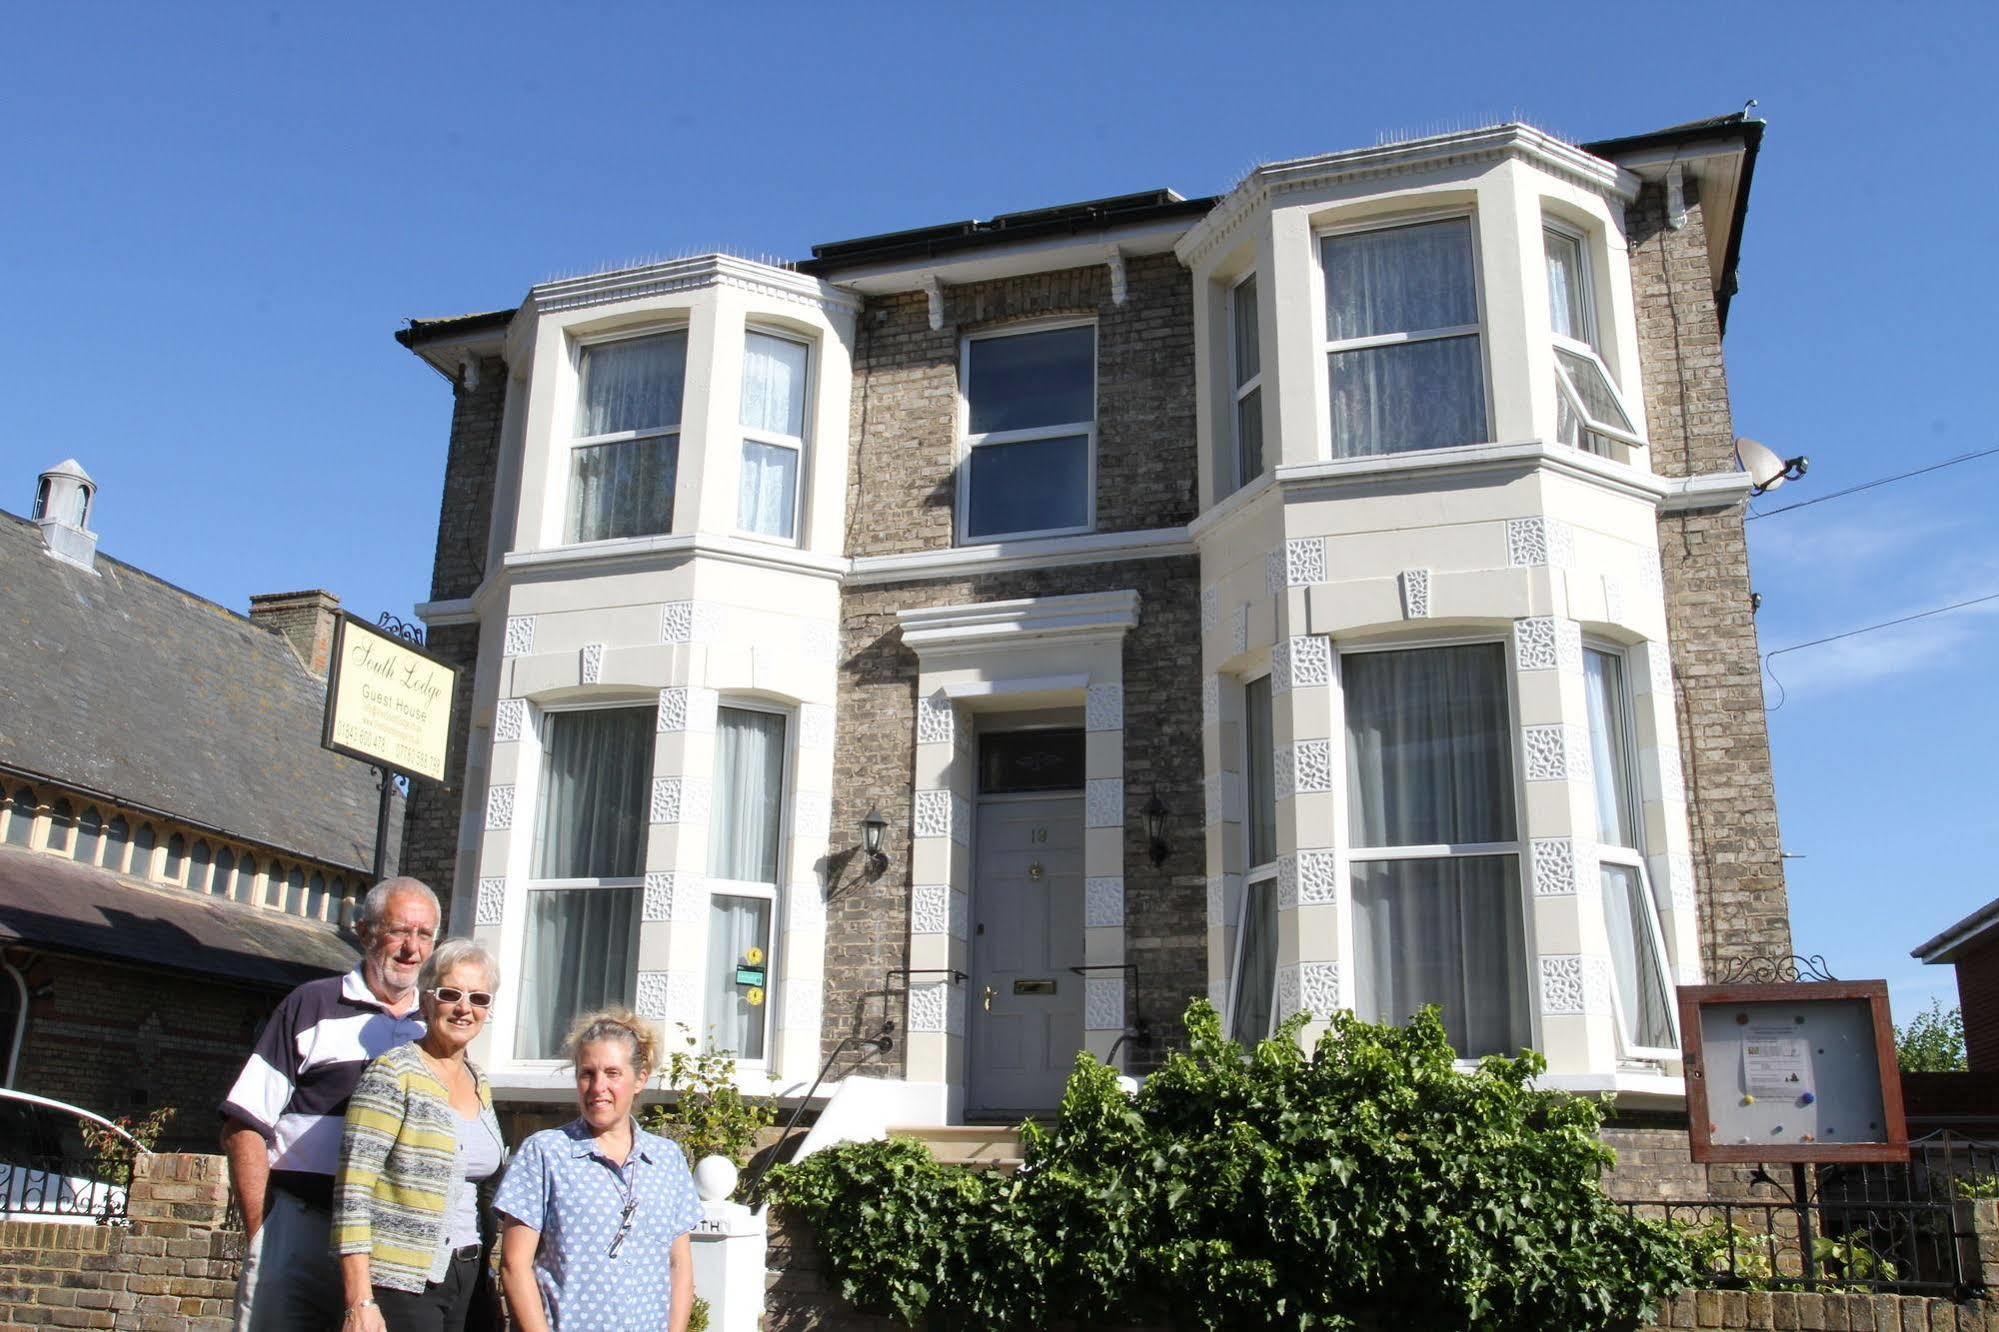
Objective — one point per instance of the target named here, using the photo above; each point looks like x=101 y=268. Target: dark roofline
x=1738 y=124
x=1092 y=215
x=457 y=326
x=1972 y=929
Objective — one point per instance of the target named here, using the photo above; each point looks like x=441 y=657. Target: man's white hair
x=376 y=904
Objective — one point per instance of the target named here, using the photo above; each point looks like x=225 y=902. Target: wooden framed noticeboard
x=388 y=702
x=1797 y=1071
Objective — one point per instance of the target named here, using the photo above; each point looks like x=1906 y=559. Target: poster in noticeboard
x=1799 y=1072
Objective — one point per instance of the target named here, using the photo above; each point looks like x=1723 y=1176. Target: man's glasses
x=451 y=994
x=404 y=933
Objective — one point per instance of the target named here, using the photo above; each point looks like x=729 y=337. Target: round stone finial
x=715 y=1178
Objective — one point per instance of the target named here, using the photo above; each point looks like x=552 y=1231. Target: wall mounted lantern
x=1155 y=829
x=874 y=830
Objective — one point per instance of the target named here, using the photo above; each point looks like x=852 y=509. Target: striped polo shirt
x=295 y=1087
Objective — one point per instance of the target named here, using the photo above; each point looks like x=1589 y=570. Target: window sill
x=667 y=547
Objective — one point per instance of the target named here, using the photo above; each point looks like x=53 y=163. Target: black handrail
x=882 y=1042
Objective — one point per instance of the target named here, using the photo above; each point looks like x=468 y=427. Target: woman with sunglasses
x=420 y=1137
x=589 y=1210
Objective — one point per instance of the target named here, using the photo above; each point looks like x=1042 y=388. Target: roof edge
x=1973 y=929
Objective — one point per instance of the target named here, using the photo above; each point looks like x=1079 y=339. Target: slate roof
x=127 y=687
x=64 y=907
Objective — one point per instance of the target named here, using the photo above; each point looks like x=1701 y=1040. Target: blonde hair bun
x=615 y=1022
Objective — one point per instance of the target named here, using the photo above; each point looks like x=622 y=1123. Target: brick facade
x=1978 y=1000
x=1724 y=741
x=127 y=1040
x=867 y=926
x=464 y=528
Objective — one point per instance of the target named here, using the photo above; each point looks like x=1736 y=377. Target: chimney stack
x=303 y=619
x=63 y=501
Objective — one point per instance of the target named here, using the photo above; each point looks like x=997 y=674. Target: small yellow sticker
x=754 y=956
x=755 y=997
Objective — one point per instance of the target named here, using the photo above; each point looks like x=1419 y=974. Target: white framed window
x=1433 y=819
x=587 y=876
x=1404 y=361
x=625 y=452
x=1642 y=992
x=1589 y=412
x=1246 y=375
x=20 y=811
x=745 y=849
x=1028 y=458
x=776 y=386
x=1253 y=973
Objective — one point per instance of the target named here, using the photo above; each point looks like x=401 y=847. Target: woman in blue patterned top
x=590 y=1208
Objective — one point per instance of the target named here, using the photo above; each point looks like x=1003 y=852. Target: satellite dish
x=1766 y=470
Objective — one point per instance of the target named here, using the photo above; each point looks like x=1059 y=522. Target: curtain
x=594 y=794
x=582 y=946
x=1642 y=993
x=767 y=495
x=1260 y=776
x=1565 y=285
x=1256 y=984
x=634 y=384
x=1429 y=757
x=1447 y=932
x=1603 y=676
x=736 y=925
x=1413 y=395
x=623 y=489
x=749 y=784
x=774 y=385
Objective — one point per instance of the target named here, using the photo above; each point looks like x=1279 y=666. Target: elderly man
x=282 y=1120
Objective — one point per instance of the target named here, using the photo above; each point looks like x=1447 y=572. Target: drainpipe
x=20 y=1019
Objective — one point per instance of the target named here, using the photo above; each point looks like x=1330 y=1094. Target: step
x=990 y=1145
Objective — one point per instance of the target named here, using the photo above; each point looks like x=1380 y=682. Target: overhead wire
x=1768 y=657
x=1869 y=485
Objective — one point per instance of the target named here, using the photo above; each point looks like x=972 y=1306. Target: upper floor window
x=773 y=419
x=1588 y=413
x=1402 y=338
x=627 y=445
x=588 y=871
x=1030 y=433
x=1642 y=994
x=1436 y=858
x=1246 y=371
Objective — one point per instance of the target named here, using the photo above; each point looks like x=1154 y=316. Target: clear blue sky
x=215 y=216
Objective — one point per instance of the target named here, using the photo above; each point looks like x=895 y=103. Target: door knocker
x=1034 y=871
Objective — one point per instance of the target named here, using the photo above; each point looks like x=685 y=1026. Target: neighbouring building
x=1972 y=947
x=1329 y=595
x=176 y=849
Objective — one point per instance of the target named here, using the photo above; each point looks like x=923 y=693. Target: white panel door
x=1027 y=932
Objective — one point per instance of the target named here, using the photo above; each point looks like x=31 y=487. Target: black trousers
x=442 y=1305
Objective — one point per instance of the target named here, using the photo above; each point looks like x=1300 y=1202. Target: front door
x=1027 y=932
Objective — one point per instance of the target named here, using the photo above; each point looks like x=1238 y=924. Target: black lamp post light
x=1155 y=830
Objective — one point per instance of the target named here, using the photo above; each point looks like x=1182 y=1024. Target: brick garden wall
x=1724 y=742
x=464 y=524
x=127 y=1040
x=173 y=1269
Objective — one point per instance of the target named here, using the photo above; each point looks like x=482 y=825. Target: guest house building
x=1328 y=595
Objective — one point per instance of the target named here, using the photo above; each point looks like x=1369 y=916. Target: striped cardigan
x=400 y=1169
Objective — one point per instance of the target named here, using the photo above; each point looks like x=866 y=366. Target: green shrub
x=1933 y=1041
x=1366 y=1183
x=711 y=1116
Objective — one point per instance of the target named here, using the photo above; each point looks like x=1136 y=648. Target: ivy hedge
x=1363 y=1184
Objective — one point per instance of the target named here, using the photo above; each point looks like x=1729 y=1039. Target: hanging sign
x=1794 y=1071
x=388 y=702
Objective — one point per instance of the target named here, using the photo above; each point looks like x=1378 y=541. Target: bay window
x=1436 y=861
x=1640 y=991
x=585 y=890
x=1252 y=1000
x=773 y=421
x=1404 y=361
x=1246 y=372
x=626 y=449
x=1030 y=433
x=1589 y=414
x=745 y=842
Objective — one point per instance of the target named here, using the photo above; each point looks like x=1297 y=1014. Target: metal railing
x=67 y=1188
x=1900 y=1228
